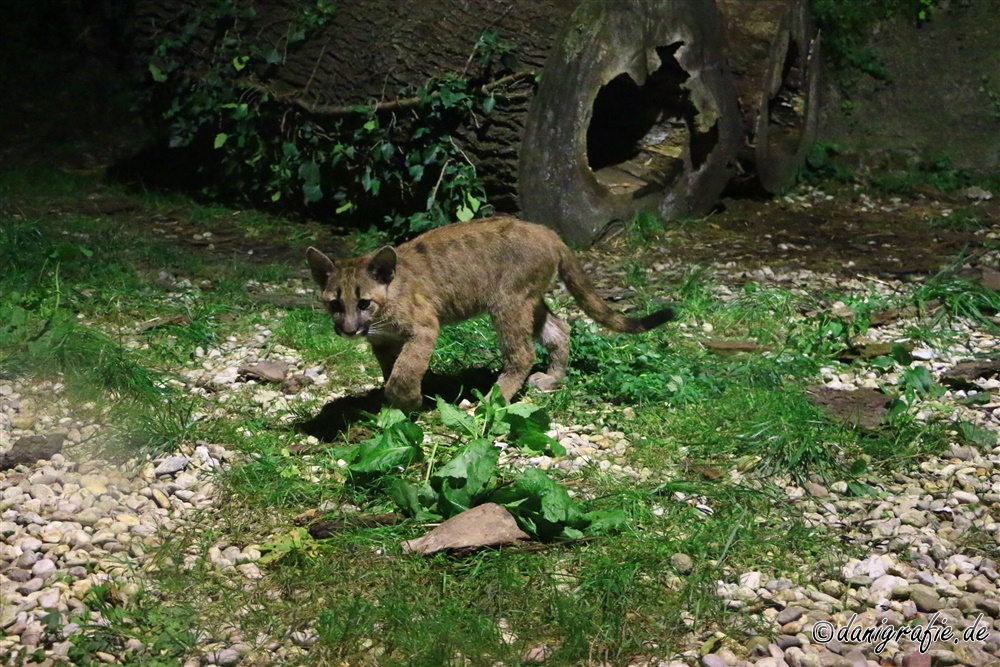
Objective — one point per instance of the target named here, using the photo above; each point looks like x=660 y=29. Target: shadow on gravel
x=337 y=416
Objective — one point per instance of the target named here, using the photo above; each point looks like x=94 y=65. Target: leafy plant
x=821 y=165
x=253 y=144
x=963 y=219
x=470 y=477
x=165 y=630
x=960 y=297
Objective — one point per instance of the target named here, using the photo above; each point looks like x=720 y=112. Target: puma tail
x=573 y=276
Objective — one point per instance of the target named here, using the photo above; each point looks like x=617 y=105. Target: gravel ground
x=71 y=520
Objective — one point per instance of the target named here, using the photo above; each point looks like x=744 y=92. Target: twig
x=393 y=105
x=434 y=190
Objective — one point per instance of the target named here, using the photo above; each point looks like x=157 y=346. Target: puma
x=398 y=298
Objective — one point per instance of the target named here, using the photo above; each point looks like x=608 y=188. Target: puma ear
x=322 y=267
x=382 y=266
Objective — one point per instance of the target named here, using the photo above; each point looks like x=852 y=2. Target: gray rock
x=682 y=563
x=926 y=599
x=43 y=568
x=171 y=465
x=223 y=658
x=713 y=660
x=268 y=371
x=17 y=574
x=32 y=448
x=789 y=614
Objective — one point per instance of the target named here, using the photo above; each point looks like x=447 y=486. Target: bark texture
x=773 y=52
x=636 y=111
x=381 y=51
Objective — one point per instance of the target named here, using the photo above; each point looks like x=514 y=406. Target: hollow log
x=635 y=112
x=773 y=51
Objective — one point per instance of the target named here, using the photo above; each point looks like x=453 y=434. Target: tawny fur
x=399 y=298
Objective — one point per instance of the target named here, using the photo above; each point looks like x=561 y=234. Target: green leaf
x=239 y=62
x=280 y=545
x=977 y=435
x=157 y=74
x=273 y=58
x=312 y=191
x=489 y=103
x=344 y=207
x=389 y=416
x=414 y=502
x=457 y=419
x=979 y=398
x=466 y=477
x=464 y=214
x=537 y=501
x=220 y=139
x=528 y=426
x=371 y=125
x=901 y=355
x=919 y=379
x=397 y=448
x=605 y=521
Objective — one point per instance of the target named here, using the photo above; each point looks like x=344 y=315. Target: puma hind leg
x=553 y=334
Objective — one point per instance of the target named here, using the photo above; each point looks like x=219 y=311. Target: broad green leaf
x=977 y=435
x=536 y=500
x=371 y=125
x=389 y=416
x=465 y=477
x=398 y=447
x=220 y=139
x=312 y=191
x=528 y=426
x=273 y=58
x=415 y=502
x=605 y=521
x=464 y=214
x=157 y=73
x=901 y=355
x=489 y=103
x=344 y=207
x=455 y=418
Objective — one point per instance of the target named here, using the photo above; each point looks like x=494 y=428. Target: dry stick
x=394 y=105
x=434 y=190
x=312 y=75
x=474 y=48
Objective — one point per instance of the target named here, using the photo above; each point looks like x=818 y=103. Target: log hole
x=786 y=108
x=642 y=139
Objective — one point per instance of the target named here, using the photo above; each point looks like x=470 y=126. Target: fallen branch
x=391 y=105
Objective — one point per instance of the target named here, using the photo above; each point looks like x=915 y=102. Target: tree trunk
x=382 y=51
x=635 y=112
x=774 y=54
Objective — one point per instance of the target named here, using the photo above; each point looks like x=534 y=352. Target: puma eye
x=364 y=304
